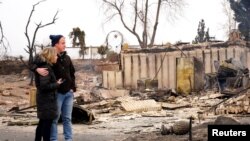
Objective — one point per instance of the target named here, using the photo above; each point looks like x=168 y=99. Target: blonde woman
x=46 y=94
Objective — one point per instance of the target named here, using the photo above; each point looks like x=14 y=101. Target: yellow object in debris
x=32 y=94
x=185 y=75
x=189 y=75
x=125 y=46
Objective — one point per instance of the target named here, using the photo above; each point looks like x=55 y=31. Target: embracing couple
x=55 y=83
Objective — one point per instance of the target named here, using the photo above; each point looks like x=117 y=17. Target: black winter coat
x=46 y=93
x=64 y=69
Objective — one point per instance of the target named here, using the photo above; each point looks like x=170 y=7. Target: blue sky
x=88 y=15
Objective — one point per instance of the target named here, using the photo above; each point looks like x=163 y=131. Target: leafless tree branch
x=28 y=22
x=2 y=36
x=4 y=44
x=136 y=15
x=118 y=8
x=141 y=14
x=31 y=48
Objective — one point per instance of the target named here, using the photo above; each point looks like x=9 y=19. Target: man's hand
x=60 y=81
x=42 y=71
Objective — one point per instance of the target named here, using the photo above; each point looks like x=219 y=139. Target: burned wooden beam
x=81 y=115
x=16 y=109
x=23 y=122
x=171 y=106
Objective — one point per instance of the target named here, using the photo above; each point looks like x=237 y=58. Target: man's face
x=60 y=46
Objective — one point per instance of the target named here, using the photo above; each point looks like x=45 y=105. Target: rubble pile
x=14 y=90
x=236 y=105
x=127 y=111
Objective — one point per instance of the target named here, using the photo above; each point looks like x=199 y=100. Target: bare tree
x=31 y=48
x=4 y=44
x=145 y=13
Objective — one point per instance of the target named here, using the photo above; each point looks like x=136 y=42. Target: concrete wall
x=112 y=79
x=162 y=65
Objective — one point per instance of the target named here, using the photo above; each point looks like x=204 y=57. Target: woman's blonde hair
x=48 y=55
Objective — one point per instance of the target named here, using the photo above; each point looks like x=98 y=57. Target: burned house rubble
x=155 y=93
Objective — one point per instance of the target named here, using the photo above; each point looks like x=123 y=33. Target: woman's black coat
x=46 y=93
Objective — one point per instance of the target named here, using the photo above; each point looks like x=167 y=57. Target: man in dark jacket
x=63 y=69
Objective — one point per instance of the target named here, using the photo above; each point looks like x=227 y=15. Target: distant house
x=92 y=53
